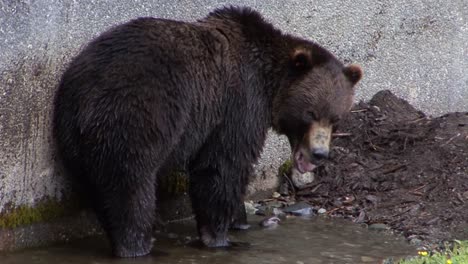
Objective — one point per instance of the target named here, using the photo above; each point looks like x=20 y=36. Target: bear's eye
x=335 y=119
x=312 y=115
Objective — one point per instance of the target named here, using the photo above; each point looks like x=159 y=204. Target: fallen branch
x=394 y=169
x=359 y=110
x=293 y=188
x=341 y=134
x=417 y=120
x=451 y=139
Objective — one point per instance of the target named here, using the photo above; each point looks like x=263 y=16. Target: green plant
x=456 y=254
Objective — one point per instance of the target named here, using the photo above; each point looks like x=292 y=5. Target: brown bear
x=153 y=94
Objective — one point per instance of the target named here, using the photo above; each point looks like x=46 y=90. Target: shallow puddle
x=294 y=241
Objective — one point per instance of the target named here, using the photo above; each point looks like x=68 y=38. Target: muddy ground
x=396 y=166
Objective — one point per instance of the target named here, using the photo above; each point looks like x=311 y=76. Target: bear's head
x=319 y=92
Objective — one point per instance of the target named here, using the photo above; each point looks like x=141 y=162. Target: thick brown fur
x=154 y=94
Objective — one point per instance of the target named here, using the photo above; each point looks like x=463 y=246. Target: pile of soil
x=396 y=166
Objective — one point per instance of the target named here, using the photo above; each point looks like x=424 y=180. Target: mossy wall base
x=58 y=230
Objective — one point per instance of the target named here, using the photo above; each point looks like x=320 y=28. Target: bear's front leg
x=240 y=218
x=215 y=198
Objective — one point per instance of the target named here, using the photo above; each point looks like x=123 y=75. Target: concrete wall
x=418 y=49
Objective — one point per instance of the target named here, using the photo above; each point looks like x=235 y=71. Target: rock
x=264 y=210
x=261 y=212
x=278 y=212
x=416 y=242
x=361 y=217
x=300 y=180
x=276 y=195
x=378 y=227
x=270 y=222
x=465 y=195
x=269 y=208
x=300 y=209
x=347 y=200
x=304 y=212
x=322 y=211
x=250 y=208
x=372 y=198
x=337 y=203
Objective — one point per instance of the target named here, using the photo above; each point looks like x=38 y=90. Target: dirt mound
x=394 y=165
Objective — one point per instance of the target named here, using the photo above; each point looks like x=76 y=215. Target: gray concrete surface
x=418 y=49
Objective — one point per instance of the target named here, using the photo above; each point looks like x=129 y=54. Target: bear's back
x=147 y=73
x=162 y=49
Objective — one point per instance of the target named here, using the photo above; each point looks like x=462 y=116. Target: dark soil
x=397 y=166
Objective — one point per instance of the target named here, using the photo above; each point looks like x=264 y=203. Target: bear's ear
x=301 y=60
x=353 y=73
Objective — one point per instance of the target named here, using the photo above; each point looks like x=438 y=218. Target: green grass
x=456 y=254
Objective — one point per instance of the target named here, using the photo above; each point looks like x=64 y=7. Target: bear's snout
x=320 y=153
x=319 y=138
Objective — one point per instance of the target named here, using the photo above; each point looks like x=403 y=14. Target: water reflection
x=295 y=240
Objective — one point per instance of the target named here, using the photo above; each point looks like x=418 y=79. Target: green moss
x=26 y=215
x=285 y=168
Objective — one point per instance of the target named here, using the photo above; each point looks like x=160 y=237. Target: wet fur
x=152 y=94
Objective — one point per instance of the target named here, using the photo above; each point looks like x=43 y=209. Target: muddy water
x=294 y=241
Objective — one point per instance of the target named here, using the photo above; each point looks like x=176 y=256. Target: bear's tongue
x=302 y=164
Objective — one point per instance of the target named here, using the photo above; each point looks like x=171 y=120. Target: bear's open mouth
x=302 y=163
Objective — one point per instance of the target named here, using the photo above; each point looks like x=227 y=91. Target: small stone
x=264 y=210
x=301 y=179
x=300 y=209
x=415 y=241
x=372 y=198
x=304 y=212
x=378 y=227
x=270 y=222
x=337 y=203
x=348 y=200
x=465 y=195
x=278 y=212
x=250 y=208
x=276 y=195
x=361 y=217
x=322 y=211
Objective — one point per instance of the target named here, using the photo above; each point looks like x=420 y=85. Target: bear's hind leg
x=126 y=208
x=216 y=197
x=212 y=205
